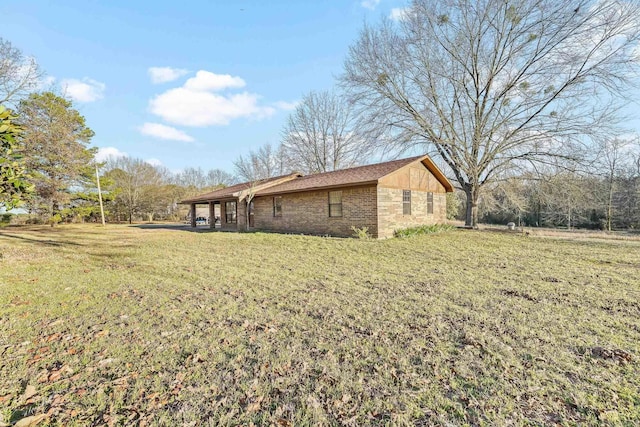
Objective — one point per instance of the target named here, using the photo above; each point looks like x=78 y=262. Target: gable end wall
x=417 y=178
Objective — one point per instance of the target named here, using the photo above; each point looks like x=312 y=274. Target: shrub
x=361 y=233
x=453 y=205
x=5 y=219
x=55 y=219
x=423 y=229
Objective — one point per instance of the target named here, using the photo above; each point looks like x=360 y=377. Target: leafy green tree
x=13 y=178
x=54 y=142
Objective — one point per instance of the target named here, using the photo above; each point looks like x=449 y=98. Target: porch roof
x=239 y=191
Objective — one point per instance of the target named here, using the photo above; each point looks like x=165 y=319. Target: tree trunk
x=247 y=212
x=610 y=203
x=471 y=214
x=246 y=215
x=53 y=212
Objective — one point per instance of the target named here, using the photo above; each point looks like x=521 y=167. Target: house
x=382 y=197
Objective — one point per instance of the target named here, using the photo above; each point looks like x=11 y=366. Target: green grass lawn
x=133 y=326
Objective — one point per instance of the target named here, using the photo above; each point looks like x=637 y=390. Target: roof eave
x=320 y=188
x=435 y=170
x=241 y=194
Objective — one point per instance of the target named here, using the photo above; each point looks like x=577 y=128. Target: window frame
x=277 y=206
x=334 y=207
x=406 y=202
x=234 y=212
x=430 y=203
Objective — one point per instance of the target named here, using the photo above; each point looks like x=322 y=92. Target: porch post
x=193 y=215
x=212 y=216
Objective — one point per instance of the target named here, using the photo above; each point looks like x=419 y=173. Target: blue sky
x=191 y=83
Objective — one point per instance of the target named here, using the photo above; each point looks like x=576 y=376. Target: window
x=406 y=202
x=335 y=203
x=277 y=206
x=429 y=203
x=230 y=212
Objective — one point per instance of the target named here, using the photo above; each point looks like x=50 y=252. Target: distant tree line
x=567 y=198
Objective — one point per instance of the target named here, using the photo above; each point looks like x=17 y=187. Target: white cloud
x=46 y=83
x=208 y=81
x=154 y=162
x=286 y=106
x=197 y=105
x=370 y=4
x=399 y=13
x=85 y=90
x=106 y=153
x=165 y=74
x=158 y=130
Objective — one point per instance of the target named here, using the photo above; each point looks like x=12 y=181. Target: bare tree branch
x=490 y=83
x=19 y=75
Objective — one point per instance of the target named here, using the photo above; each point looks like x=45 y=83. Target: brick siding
x=308 y=212
x=390 y=210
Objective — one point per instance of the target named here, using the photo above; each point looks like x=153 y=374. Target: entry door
x=251 y=214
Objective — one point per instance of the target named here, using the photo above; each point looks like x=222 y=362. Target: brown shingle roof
x=234 y=190
x=368 y=174
x=352 y=176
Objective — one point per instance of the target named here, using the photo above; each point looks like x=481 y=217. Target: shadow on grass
x=41 y=242
x=177 y=227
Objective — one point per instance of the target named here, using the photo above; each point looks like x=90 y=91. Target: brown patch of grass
x=165 y=327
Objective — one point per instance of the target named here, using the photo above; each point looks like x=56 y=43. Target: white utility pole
x=100 y=195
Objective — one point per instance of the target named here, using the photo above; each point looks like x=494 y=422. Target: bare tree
x=568 y=198
x=193 y=178
x=258 y=166
x=196 y=179
x=136 y=186
x=509 y=199
x=610 y=162
x=218 y=177
x=19 y=75
x=320 y=134
x=487 y=83
x=626 y=198
x=265 y=163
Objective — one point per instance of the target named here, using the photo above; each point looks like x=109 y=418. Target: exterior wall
x=308 y=212
x=417 y=178
x=391 y=217
x=414 y=176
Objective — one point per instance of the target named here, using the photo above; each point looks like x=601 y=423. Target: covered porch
x=231 y=208
x=226 y=214
x=204 y=214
